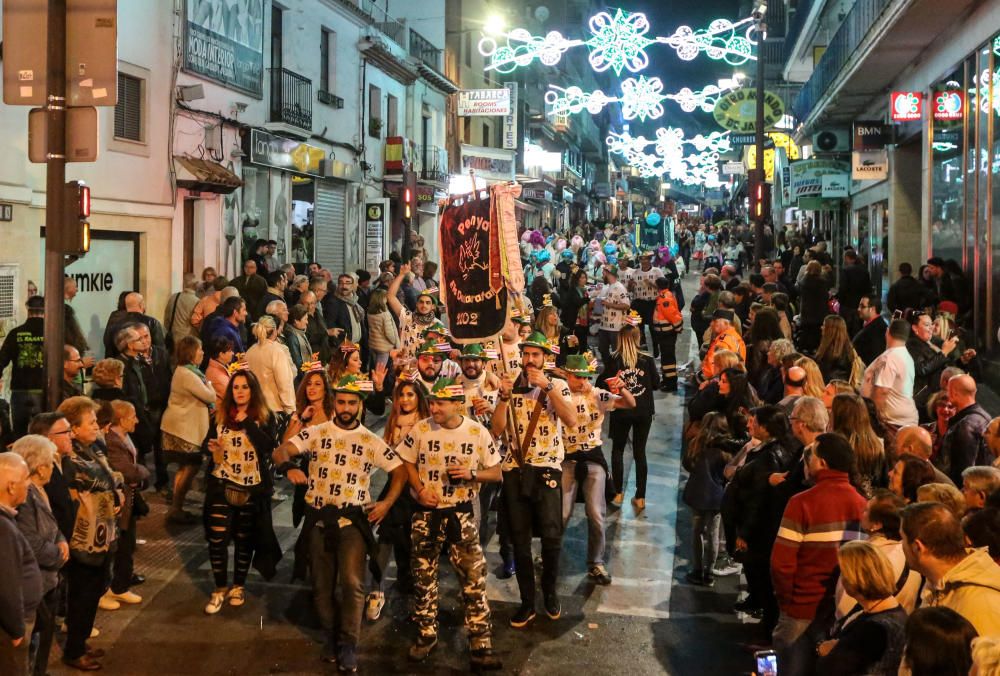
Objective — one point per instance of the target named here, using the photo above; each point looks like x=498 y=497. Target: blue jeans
x=594 y=504
x=795 y=642
x=704 y=540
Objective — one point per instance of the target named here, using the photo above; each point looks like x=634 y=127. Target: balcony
x=424 y=51
x=291 y=99
x=431 y=163
x=802 y=11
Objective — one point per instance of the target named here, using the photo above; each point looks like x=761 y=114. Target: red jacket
x=804 y=559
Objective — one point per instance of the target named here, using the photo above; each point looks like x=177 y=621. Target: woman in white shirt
x=271 y=362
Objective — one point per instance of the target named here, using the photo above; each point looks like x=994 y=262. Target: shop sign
x=737 y=110
x=806 y=177
x=284 y=153
x=376 y=222
x=949 y=105
x=835 y=185
x=871 y=135
x=906 y=106
x=225 y=44
x=536 y=194
x=733 y=168
x=510 y=119
x=870 y=166
x=491 y=164
x=491 y=102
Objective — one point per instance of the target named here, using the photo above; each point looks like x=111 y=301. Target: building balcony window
x=422 y=49
x=431 y=163
x=291 y=98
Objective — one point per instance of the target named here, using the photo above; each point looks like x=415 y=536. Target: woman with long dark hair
x=766 y=329
x=636 y=371
x=835 y=355
x=850 y=419
x=575 y=305
x=239 y=488
x=938 y=643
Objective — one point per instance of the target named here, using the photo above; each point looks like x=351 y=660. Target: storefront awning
x=524 y=206
x=205 y=176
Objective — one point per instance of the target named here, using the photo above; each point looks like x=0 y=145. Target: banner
x=474 y=293
x=224 y=42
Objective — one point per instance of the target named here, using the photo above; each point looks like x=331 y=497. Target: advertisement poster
x=223 y=41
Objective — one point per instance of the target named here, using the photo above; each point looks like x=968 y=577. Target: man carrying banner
x=410 y=323
x=447 y=456
x=584 y=467
x=342 y=456
x=532 y=472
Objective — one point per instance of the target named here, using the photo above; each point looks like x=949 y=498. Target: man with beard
x=337 y=532
x=410 y=323
x=343 y=312
x=431 y=364
x=643 y=292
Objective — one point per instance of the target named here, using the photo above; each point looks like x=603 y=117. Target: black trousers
x=85 y=586
x=639 y=426
x=666 y=339
x=523 y=514
x=45 y=629
x=123 y=567
x=757 y=567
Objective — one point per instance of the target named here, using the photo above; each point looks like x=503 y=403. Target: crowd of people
x=837 y=458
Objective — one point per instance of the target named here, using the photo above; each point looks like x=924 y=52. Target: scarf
x=197 y=371
x=424 y=318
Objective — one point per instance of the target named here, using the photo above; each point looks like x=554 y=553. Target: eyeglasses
x=56 y=434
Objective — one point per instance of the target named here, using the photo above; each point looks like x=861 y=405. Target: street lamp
x=757 y=176
x=494 y=25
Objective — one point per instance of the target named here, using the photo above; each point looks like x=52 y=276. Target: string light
x=619 y=43
x=668 y=158
x=640 y=97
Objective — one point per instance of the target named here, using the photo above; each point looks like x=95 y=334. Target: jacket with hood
x=971 y=589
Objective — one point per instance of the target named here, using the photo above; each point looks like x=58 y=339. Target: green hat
x=646 y=254
x=433 y=348
x=476 y=351
x=583 y=365
x=430 y=293
x=434 y=327
x=447 y=389
x=538 y=339
x=520 y=317
x=352 y=384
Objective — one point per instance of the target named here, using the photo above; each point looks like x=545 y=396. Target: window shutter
x=128 y=111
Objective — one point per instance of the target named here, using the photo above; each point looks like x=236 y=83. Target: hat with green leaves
x=520 y=317
x=447 y=389
x=433 y=348
x=477 y=351
x=434 y=327
x=431 y=294
x=582 y=365
x=538 y=339
x=352 y=384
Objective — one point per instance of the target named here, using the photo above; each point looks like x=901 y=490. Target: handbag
x=236 y=496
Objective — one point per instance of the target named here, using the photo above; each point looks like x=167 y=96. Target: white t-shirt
x=478 y=388
x=409 y=334
x=590 y=408
x=545 y=449
x=239 y=458
x=433 y=449
x=510 y=354
x=893 y=370
x=341 y=463
x=645 y=283
x=613 y=320
x=449 y=369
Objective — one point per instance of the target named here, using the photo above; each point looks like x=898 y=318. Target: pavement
x=648 y=621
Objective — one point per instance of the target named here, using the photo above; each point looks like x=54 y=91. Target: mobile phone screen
x=767 y=663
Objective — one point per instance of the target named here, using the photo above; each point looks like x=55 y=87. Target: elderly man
x=316 y=329
x=278 y=310
x=929 y=359
x=252 y=287
x=962 y=444
x=135 y=312
x=724 y=337
x=916 y=441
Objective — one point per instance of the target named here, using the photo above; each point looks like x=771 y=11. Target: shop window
x=947 y=148
x=129 y=116
x=327 y=48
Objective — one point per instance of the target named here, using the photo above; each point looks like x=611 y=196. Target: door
x=330 y=225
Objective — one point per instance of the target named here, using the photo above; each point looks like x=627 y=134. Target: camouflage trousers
x=466 y=556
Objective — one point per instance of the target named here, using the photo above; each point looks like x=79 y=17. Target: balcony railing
x=392 y=28
x=421 y=48
x=431 y=163
x=291 y=98
x=798 y=21
x=849 y=36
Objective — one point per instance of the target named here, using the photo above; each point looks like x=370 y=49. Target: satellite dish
x=542 y=13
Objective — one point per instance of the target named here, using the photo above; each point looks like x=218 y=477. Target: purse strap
x=521 y=451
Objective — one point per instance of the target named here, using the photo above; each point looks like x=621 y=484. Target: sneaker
x=508 y=570
x=347 y=658
x=182 y=518
x=215 y=602
x=552 y=606
x=744 y=606
x=618 y=500
x=237 y=596
x=599 y=574
x=374 y=605
x=128 y=597
x=523 y=617
x=694 y=577
x=726 y=567
x=708 y=580
x=108 y=603
x=484 y=659
x=422 y=647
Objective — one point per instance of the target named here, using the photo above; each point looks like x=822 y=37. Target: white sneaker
x=726 y=567
x=374 y=605
x=237 y=596
x=215 y=602
x=94 y=631
x=129 y=597
x=107 y=602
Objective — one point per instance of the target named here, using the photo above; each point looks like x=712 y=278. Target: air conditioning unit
x=329 y=99
x=831 y=141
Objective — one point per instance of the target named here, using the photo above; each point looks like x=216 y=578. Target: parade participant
x=342 y=454
x=584 y=466
x=447 y=456
x=724 y=337
x=635 y=371
x=644 y=293
x=668 y=323
x=548 y=324
x=615 y=303
x=409 y=405
x=238 y=490
x=432 y=364
x=532 y=466
x=23 y=349
x=410 y=323
x=507 y=347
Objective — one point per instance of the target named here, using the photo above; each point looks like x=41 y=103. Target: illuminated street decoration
x=668 y=158
x=640 y=97
x=619 y=43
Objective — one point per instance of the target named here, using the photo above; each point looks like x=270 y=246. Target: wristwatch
x=472 y=474
x=551 y=386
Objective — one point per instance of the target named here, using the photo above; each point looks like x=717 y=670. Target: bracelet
x=472 y=476
x=503 y=398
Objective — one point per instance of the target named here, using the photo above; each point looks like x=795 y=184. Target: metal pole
x=759 y=173
x=55 y=178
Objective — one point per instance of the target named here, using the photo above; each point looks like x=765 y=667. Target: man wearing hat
x=411 y=323
x=643 y=291
x=337 y=533
x=724 y=337
x=24 y=348
x=584 y=466
x=532 y=467
x=668 y=322
x=432 y=363
x=615 y=302
x=508 y=350
x=447 y=456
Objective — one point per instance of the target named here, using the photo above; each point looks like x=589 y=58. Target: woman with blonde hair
x=814 y=377
x=383 y=336
x=868 y=640
x=946 y=494
x=271 y=362
x=548 y=323
x=849 y=417
x=835 y=356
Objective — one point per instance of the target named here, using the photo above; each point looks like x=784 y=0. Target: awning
x=205 y=176
x=524 y=206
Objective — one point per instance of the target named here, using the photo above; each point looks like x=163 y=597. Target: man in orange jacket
x=724 y=337
x=667 y=325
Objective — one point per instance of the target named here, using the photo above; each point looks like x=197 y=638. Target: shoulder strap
x=173 y=312
x=530 y=430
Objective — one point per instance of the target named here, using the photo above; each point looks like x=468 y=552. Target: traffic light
x=407 y=203
x=75 y=237
x=760 y=200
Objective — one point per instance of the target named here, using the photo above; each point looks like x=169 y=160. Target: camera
x=767 y=662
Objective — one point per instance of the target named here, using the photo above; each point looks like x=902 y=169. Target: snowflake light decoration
x=619 y=43
x=668 y=158
x=640 y=97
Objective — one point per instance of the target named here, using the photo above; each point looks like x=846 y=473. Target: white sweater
x=186 y=416
x=271 y=362
x=382 y=333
